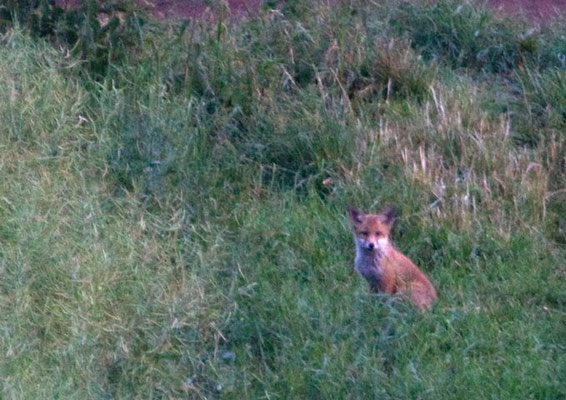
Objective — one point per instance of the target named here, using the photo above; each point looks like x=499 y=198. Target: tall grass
x=176 y=227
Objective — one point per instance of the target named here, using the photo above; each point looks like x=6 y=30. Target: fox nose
x=371 y=246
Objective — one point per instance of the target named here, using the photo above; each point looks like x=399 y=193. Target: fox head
x=371 y=231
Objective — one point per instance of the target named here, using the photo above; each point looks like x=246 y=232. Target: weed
x=465 y=35
x=97 y=32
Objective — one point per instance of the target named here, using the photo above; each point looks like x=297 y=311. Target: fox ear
x=356 y=215
x=388 y=215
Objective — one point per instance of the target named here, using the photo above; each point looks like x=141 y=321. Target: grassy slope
x=167 y=233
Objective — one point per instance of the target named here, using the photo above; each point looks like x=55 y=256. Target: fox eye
x=364 y=233
x=378 y=233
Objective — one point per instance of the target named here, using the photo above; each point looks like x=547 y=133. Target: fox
x=386 y=269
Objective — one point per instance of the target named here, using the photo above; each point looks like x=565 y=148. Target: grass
x=177 y=227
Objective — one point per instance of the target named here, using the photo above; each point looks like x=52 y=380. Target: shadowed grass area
x=177 y=227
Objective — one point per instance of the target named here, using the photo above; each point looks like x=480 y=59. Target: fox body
x=385 y=268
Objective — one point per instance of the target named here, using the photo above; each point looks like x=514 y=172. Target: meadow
x=173 y=205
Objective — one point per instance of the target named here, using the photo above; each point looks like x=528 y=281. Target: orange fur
x=385 y=268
